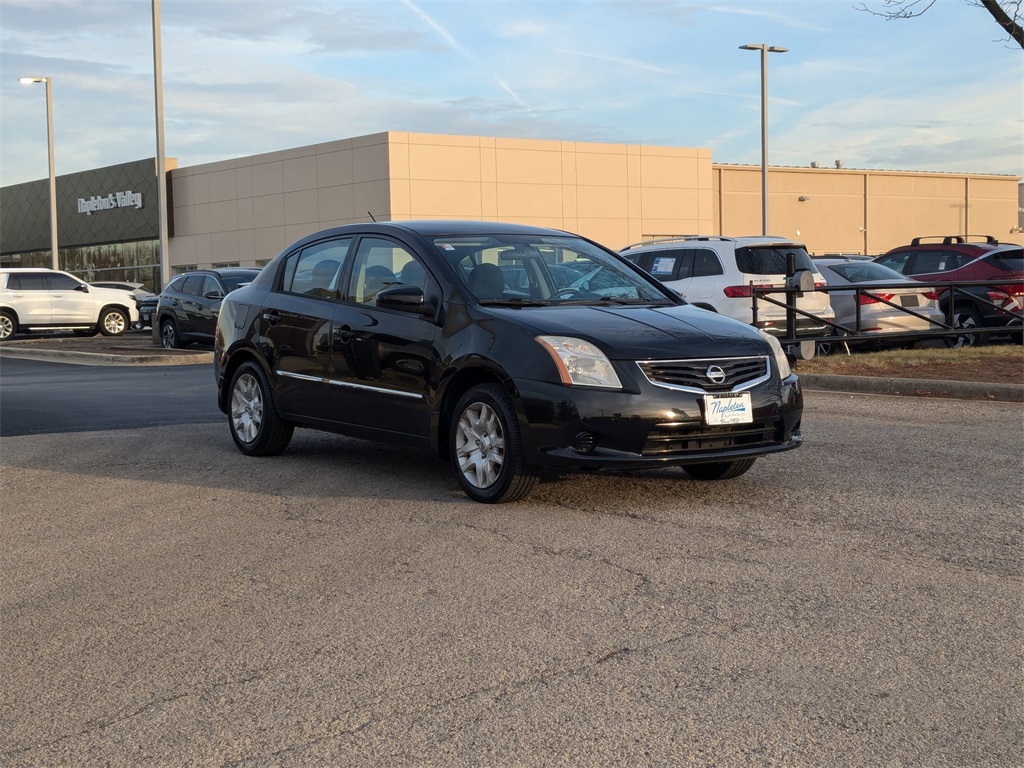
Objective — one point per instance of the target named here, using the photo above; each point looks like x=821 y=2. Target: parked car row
x=720 y=274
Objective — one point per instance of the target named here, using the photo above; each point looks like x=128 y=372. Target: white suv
x=46 y=300
x=716 y=273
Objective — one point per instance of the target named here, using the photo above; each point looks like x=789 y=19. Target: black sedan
x=415 y=332
x=186 y=309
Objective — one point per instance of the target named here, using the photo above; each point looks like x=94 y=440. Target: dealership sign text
x=127 y=199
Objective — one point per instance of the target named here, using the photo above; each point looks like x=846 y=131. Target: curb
x=101 y=358
x=966 y=390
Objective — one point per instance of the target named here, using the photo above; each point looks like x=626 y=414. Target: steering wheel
x=567 y=293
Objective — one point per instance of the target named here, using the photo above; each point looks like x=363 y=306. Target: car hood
x=643 y=333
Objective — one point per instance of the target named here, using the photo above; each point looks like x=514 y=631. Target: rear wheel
x=964 y=317
x=486 y=447
x=719 y=470
x=255 y=425
x=113 y=322
x=8 y=325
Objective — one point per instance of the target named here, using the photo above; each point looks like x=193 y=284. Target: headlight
x=780 y=356
x=580 y=363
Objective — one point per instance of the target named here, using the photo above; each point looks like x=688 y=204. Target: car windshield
x=863 y=271
x=532 y=270
x=771 y=259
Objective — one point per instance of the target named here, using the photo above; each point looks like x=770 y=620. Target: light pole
x=161 y=160
x=53 y=173
x=765 y=50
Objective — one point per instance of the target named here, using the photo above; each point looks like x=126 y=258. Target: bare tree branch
x=1007 y=14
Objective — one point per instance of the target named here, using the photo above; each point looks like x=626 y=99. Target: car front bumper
x=602 y=429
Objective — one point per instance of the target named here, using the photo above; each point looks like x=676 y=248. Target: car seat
x=487 y=281
x=414 y=274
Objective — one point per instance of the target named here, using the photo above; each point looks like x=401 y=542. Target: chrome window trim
x=710 y=361
x=349 y=385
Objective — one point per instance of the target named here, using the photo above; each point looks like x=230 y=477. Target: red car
x=966 y=258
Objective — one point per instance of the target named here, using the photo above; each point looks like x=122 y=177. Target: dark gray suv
x=188 y=306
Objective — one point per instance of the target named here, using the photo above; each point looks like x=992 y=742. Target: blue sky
x=944 y=92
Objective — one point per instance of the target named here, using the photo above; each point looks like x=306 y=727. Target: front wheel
x=719 y=470
x=486 y=447
x=113 y=322
x=169 y=338
x=8 y=325
x=255 y=425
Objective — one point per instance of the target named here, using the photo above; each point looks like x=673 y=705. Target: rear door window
x=706 y=263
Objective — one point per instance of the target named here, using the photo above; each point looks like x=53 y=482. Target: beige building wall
x=613 y=193
x=247 y=210
x=836 y=210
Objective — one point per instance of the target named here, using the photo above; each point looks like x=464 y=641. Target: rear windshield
x=236 y=279
x=1011 y=260
x=771 y=260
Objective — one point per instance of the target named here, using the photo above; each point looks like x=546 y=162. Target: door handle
x=272 y=317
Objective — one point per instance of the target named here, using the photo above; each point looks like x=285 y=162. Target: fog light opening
x=584 y=442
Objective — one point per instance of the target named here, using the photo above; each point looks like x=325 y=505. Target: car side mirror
x=82 y=287
x=404 y=298
x=214 y=295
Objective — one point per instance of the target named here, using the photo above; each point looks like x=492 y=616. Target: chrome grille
x=693 y=375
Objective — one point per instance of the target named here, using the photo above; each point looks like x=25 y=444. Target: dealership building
x=242 y=212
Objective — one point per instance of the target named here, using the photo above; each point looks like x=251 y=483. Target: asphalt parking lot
x=167 y=601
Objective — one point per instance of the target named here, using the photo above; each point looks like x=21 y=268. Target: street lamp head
x=32 y=79
x=763 y=47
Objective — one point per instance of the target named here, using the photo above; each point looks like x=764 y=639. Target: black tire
x=720 y=470
x=964 y=316
x=255 y=425
x=486 y=447
x=8 y=325
x=169 y=338
x=113 y=322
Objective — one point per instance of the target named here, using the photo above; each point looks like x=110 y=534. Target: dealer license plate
x=728 y=409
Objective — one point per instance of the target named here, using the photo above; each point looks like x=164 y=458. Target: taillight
x=933 y=295
x=863 y=298
x=737 y=291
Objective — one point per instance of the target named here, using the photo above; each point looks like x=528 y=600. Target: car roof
x=676 y=240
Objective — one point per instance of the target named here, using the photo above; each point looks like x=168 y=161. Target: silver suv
x=47 y=299
x=716 y=273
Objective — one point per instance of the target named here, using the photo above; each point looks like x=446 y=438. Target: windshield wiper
x=516 y=301
x=610 y=300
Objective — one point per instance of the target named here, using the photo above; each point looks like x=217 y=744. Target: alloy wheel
x=169 y=336
x=247 y=408
x=480 y=445
x=114 y=323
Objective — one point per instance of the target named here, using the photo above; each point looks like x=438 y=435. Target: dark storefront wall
x=107 y=224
